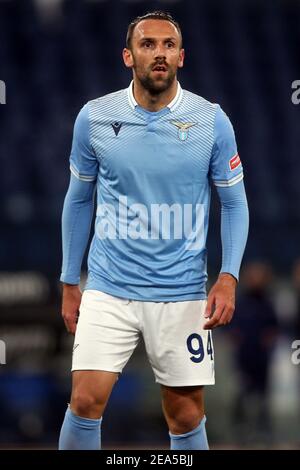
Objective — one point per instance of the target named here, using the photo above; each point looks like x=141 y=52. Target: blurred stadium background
x=54 y=56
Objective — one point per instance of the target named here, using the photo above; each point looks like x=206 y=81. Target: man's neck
x=153 y=102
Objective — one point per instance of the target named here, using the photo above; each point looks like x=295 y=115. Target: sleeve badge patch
x=234 y=162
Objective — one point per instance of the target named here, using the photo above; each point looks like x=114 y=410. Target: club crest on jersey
x=183 y=128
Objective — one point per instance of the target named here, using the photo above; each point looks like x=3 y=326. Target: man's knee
x=91 y=391
x=183 y=408
x=184 y=421
x=87 y=405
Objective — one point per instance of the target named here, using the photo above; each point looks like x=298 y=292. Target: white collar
x=172 y=105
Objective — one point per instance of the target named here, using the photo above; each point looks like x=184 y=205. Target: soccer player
x=151 y=151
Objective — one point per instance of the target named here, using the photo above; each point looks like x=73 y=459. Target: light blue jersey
x=153 y=172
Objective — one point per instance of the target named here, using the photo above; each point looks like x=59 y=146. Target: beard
x=156 y=85
x=153 y=85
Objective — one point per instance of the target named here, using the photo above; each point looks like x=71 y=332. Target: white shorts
x=180 y=351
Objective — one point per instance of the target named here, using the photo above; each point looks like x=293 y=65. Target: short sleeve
x=83 y=161
x=225 y=165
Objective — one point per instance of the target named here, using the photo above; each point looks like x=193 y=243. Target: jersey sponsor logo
x=234 y=162
x=183 y=128
x=116 y=127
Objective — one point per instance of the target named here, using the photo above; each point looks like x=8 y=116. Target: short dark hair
x=153 y=15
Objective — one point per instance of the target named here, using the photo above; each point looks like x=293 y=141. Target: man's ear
x=127 y=57
x=181 y=58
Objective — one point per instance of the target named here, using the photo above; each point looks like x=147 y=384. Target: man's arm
x=226 y=172
x=76 y=225
x=77 y=215
x=234 y=232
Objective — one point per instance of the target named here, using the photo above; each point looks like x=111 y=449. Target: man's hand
x=220 y=301
x=70 y=306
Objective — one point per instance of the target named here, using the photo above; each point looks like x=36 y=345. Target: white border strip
x=231 y=182
x=88 y=179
